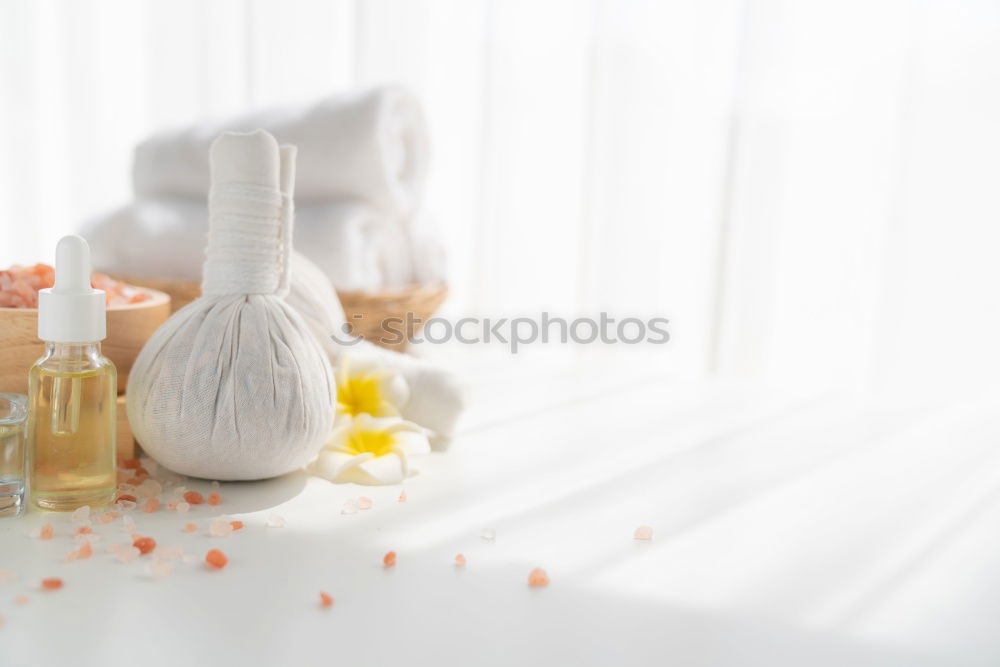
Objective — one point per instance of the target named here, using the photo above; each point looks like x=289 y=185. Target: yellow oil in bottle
x=71 y=428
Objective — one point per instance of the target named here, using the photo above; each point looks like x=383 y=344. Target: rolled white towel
x=372 y=146
x=436 y=399
x=339 y=238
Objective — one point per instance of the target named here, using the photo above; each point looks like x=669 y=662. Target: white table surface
x=788 y=531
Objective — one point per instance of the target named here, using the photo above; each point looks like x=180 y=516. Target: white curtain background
x=808 y=190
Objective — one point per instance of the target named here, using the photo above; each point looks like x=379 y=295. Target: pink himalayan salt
x=44 y=532
x=124 y=505
x=151 y=505
x=158 y=569
x=52 y=584
x=190 y=528
x=389 y=559
x=325 y=600
x=220 y=528
x=108 y=517
x=460 y=560
x=148 y=489
x=213 y=499
x=127 y=554
x=275 y=521
x=538 y=578
x=129 y=524
x=643 y=533
x=19 y=287
x=182 y=506
x=364 y=503
x=81 y=514
x=350 y=507
x=402 y=496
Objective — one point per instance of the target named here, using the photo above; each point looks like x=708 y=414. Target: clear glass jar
x=13 y=413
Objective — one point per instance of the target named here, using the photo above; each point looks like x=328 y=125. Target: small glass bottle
x=71 y=392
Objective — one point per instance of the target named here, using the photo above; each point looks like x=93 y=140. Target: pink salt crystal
x=350 y=507
x=215 y=484
x=81 y=514
x=108 y=517
x=127 y=554
x=183 y=506
x=189 y=528
x=275 y=521
x=402 y=496
x=172 y=507
x=71 y=556
x=21 y=599
x=87 y=538
x=44 y=532
x=538 y=578
x=460 y=560
x=643 y=533
x=364 y=503
x=158 y=569
x=172 y=552
x=125 y=505
x=129 y=524
x=148 y=489
x=151 y=505
x=220 y=528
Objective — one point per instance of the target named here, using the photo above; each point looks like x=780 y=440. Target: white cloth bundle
x=370 y=147
x=435 y=397
x=343 y=239
x=234 y=385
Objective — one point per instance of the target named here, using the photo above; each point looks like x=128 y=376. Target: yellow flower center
x=360 y=393
x=378 y=443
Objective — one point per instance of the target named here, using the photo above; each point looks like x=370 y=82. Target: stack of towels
x=362 y=167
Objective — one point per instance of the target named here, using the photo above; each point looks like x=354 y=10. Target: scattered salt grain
x=83 y=530
x=275 y=521
x=151 y=505
x=148 y=489
x=350 y=507
x=216 y=559
x=127 y=554
x=643 y=533
x=389 y=559
x=108 y=517
x=172 y=552
x=215 y=484
x=52 y=584
x=7 y=576
x=402 y=496
x=460 y=560
x=213 y=499
x=159 y=569
x=125 y=505
x=489 y=534
x=220 y=528
x=144 y=544
x=129 y=524
x=190 y=527
x=538 y=578
x=21 y=599
x=325 y=600
x=182 y=507
x=194 y=498
x=364 y=503
x=81 y=514
x=43 y=532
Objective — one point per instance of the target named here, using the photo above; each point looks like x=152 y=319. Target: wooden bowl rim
x=157 y=298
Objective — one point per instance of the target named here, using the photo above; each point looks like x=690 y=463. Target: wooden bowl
x=129 y=327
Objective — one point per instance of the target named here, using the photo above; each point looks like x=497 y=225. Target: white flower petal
x=412 y=442
x=388 y=469
x=333 y=465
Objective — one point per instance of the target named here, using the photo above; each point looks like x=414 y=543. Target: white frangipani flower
x=371 y=450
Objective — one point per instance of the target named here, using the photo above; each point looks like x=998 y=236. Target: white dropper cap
x=72 y=311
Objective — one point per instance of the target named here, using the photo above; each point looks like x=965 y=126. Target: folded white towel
x=436 y=399
x=342 y=239
x=371 y=146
